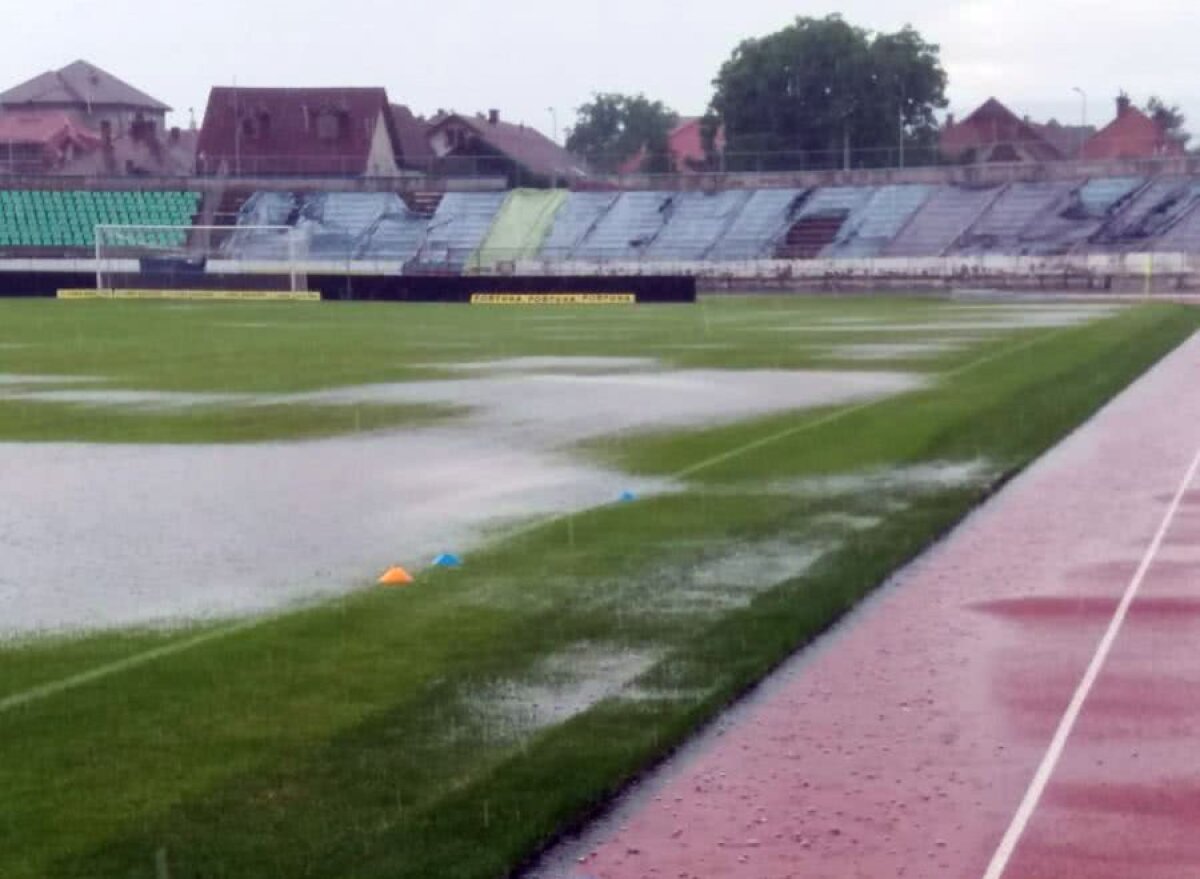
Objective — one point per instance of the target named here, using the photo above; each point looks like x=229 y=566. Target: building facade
x=94 y=98
x=335 y=132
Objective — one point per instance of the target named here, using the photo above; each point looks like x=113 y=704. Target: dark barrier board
x=43 y=284
x=494 y=290
x=418 y=288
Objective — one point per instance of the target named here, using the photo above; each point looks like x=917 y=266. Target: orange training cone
x=396 y=576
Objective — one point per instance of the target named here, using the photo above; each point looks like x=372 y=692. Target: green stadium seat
x=68 y=219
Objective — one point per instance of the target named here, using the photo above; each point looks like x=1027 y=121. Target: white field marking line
x=832 y=417
x=851 y=410
x=69 y=683
x=1005 y=352
x=837 y=415
x=44 y=691
x=1045 y=770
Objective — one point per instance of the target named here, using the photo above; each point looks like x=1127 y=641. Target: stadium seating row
x=472 y=230
x=481 y=230
x=68 y=219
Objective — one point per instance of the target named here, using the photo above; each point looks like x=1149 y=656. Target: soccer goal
x=234 y=262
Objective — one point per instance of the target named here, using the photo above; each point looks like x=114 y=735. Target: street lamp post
x=554 y=137
x=1082 y=117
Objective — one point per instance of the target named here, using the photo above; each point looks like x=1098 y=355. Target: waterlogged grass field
x=452 y=728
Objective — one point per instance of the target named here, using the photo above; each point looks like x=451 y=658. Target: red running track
x=907 y=745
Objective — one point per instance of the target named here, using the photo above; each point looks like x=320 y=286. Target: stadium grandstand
x=370 y=188
x=754 y=232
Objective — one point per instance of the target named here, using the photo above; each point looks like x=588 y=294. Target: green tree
x=612 y=128
x=1170 y=117
x=820 y=90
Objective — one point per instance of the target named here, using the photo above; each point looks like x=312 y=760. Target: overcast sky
x=525 y=56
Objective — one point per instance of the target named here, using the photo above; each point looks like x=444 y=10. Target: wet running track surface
x=919 y=739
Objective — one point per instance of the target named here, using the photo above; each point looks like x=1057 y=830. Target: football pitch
x=654 y=506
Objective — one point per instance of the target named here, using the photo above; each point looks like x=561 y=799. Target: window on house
x=329 y=125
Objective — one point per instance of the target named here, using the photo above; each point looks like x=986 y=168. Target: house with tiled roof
x=413 y=134
x=994 y=133
x=138 y=153
x=685 y=146
x=486 y=145
x=1067 y=139
x=95 y=99
x=42 y=141
x=329 y=132
x=1131 y=135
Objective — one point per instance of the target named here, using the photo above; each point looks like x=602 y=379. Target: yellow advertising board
x=553 y=299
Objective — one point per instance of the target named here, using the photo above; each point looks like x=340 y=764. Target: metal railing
x=604 y=168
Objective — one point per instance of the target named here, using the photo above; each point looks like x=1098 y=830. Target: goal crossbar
x=134 y=256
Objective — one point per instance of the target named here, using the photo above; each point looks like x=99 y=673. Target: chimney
x=493 y=117
x=949 y=120
x=1123 y=105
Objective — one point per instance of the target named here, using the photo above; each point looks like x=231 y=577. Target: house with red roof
x=685 y=145
x=328 y=132
x=994 y=133
x=1131 y=135
x=486 y=145
x=141 y=152
x=42 y=141
x=413 y=133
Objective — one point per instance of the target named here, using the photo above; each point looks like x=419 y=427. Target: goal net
x=229 y=261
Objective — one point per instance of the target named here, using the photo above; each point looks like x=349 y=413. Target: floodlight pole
x=96 y=244
x=1083 y=114
x=237 y=132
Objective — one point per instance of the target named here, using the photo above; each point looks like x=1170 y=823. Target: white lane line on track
x=1045 y=770
x=53 y=688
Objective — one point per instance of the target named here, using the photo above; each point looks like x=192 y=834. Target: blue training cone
x=447 y=560
x=628 y=497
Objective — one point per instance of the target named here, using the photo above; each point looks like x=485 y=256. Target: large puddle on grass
x=543 y=405
x=19 y=380
x=960 y=319
x=95 y=536
x=555 y=364
x=896 y=350
x=559 y=687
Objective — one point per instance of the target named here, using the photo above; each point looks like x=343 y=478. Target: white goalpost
x=235 y=262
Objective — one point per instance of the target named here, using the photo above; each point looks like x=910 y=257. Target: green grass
x=274 y=349
x=374 y=736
